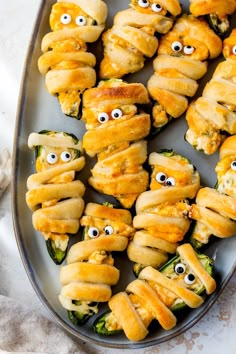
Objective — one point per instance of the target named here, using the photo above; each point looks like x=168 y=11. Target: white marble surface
x=215 y=333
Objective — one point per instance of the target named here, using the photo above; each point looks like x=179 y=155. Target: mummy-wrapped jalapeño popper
x=54 y=192
x=181 y=61
x=90 y=273
x=132 y=37
x=212 y=117
x=66 y=64
x=161 y=218
x=215 y=208
x=158 y=294
x=216 y=12
x=116 y=127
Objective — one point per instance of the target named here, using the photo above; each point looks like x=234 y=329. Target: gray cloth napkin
x=5 y=170
x=25 y=331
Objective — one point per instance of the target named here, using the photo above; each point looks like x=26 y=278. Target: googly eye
x=52 y=158
x=108 y=230
x=103 y=117
x=161 y=177
x=156 y=8
x=65 y=156
x=188 y=49
x=93 y=232
x=143 y=3
x=189 y=279
x=116 y=113
x=170 y=181
x=80 y=21
x=176 y=46
x=65 y=19
x=180 y=268
x=234 y=49
x=233 y=165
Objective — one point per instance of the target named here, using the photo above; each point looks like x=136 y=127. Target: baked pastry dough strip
x=216 y=12
x=182 y=60
x=67 y=67
x=154 y=295
x=90 y=272
x=215 y=209
x=54 y=196
x=213 y=114
x=132 y=37
x=115 y=132
x=161 y=216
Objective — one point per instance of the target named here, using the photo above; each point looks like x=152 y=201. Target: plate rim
x=76 y=334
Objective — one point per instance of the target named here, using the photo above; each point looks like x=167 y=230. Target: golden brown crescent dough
x=162 y=211
x=205 y=7
x=89 y=273
x=214 y=113
x=215 y=209
x=132 y=37
x=54 y=196
x=153 y=295
x=182 y=60
x=67 y=67
x=115 y=132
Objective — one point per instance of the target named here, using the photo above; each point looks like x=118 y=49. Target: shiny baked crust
x=162 y=212
x=117 y=142
x=203 y=7
x=153 y=293
x=54 y=196
x=182 y=60
x=67 y=67
x=213 y=114
x=215 y=209
x=89 y=272
x=132 y=37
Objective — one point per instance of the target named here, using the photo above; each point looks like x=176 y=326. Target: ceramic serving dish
x=39 y=110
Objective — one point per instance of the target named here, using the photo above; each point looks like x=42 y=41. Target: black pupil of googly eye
x=53 y=156
x=67 y=155
x=177 y=48
x=102 y=118
x=94 y=233
x=234 y=163
x=168 y=183
x=162 y=178
x=179 y=269
x=116 y=115
x=191 y=277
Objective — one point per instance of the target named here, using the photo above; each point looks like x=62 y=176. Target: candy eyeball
x=176 y=46
x=51 y=158
x=65 y=19
x=234 y=49
x=180 y=268
x=170 y=182
x=80 y=21
x=93 y=232
x=108 y=230
x=156 y=8
x=103 y=117
x=143 y=3
x=189 y=279
x=188 y=49
x=161 y=177
x=66 y=156
x=233 y=165
x=116 y=113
